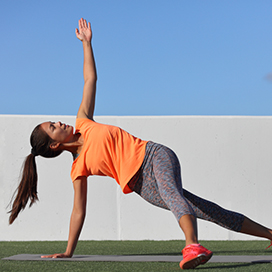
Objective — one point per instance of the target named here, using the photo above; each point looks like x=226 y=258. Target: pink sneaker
x=269 y=245
x=194 y=255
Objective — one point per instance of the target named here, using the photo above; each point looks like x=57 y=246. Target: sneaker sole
x=200 y=259
x=207 y=258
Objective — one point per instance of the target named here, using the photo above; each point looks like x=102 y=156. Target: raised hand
x=84 y=33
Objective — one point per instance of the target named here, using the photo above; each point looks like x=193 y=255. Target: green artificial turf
x=129 y=247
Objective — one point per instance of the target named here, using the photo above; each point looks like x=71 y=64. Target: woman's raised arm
x=84 y=33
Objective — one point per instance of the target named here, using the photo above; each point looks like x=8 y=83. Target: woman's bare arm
x=77 y=218
x=84 y=33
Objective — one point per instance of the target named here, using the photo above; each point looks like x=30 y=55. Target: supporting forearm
x=76 y=223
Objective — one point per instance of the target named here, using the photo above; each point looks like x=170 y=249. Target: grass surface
x=127 y=248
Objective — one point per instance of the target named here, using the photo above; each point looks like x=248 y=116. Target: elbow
x=80 y=213
x=91 y=79
x=95 y=78
x=80 y=216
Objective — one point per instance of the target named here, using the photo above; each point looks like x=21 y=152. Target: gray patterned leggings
x=158 y=181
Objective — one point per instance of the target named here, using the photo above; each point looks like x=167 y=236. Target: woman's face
x=58 y=132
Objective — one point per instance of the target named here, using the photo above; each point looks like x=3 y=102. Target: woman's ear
x=54 y=146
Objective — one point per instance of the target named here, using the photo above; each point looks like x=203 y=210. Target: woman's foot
x=194 y=255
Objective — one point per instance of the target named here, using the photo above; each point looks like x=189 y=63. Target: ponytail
x=27 y=188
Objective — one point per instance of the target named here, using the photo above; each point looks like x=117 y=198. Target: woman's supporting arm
x=84 y=34
x=77 y=218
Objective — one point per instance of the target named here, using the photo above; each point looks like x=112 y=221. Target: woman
x=147 y=168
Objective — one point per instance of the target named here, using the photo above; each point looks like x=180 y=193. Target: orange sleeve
x=108 y=151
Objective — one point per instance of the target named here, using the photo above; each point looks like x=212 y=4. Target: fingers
x=50 y=256
x=84 y=32
x=58 y=256
x=82 y=23
x=54 y=256
x=47 y=256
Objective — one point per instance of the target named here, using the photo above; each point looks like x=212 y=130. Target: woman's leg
x=212 y=212
x=157 y=182
x=252 y=228
x=166 y=170
x=189 y=227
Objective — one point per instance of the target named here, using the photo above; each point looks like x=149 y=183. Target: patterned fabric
x=158 y=181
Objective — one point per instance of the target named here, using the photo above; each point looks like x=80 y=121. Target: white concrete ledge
x=224 y=159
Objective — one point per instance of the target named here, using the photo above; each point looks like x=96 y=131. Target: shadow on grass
x=153 y=254
x=242 y=252
x=215 y=252
x=230 y=266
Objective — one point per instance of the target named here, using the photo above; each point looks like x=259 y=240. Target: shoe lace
x=188 y=250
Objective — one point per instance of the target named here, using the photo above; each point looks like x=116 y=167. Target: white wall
x=224 y=159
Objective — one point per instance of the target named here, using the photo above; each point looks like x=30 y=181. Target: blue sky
x=153 y=57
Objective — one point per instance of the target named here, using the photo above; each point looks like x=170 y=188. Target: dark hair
x=27 y=189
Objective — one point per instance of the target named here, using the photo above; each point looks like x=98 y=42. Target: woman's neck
x=75 y=145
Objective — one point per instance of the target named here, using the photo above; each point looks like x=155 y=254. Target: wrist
x=87 y=43
x=68 y=253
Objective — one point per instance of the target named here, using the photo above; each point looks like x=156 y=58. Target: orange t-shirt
x=108 y=151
